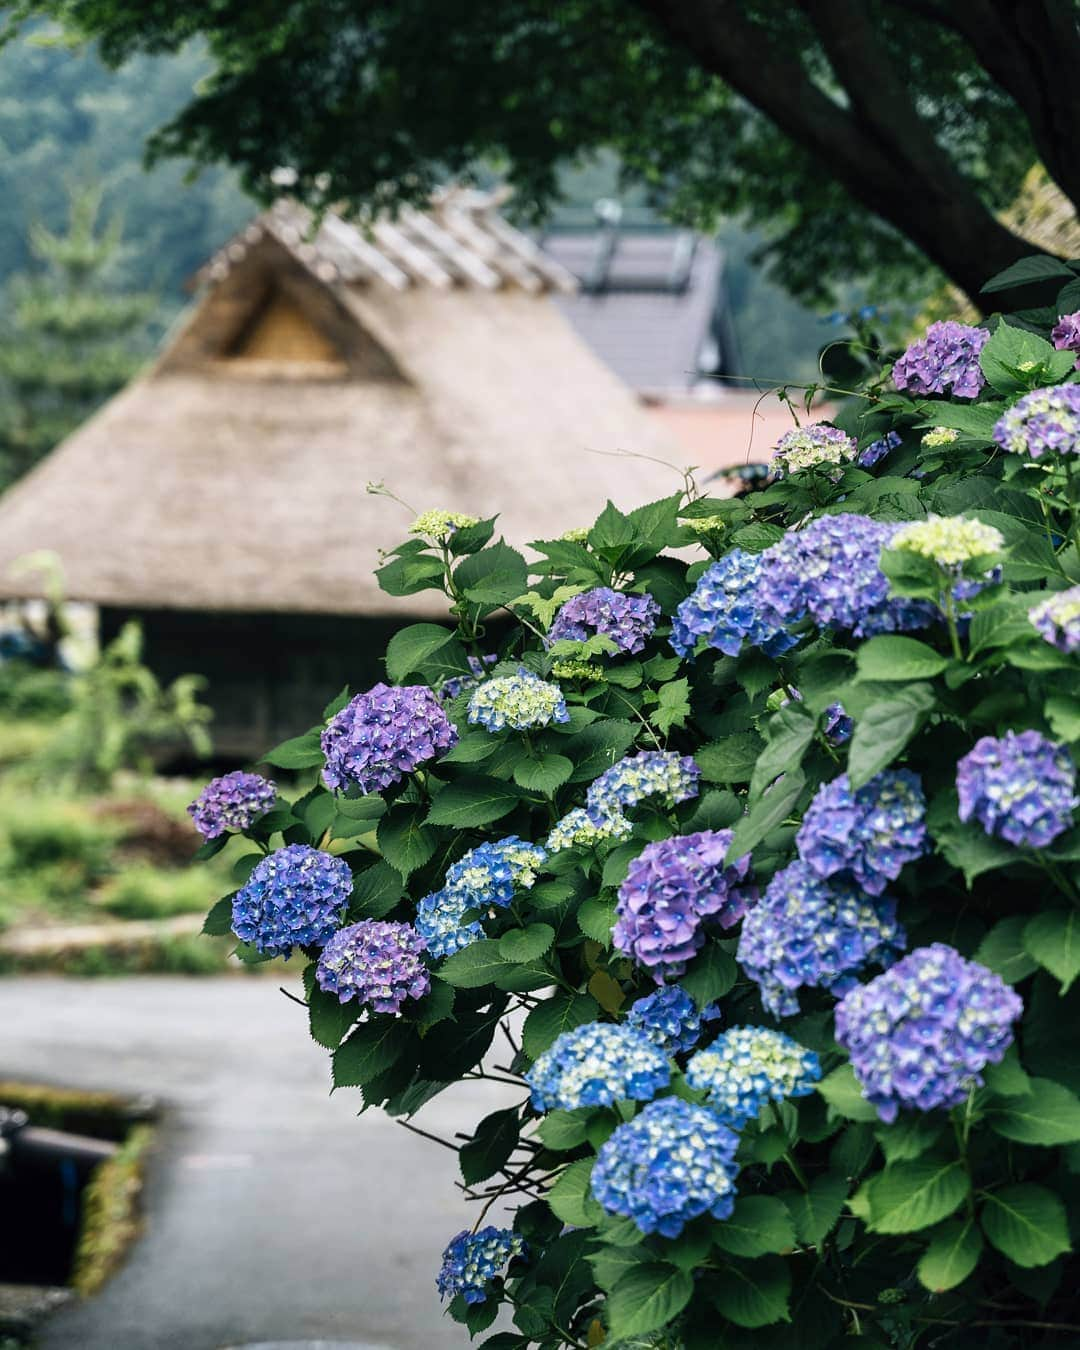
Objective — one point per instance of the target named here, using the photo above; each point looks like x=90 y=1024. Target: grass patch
x=145 y=892
x=111 y=1216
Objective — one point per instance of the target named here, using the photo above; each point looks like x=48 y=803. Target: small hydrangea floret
x=747 y=1067
x=920 y=1035
x=1057 y=619
x=816 y=445
x=1044 y=422
x=295 y=897
x=628 y=620
x=472 y=1260
x=231 y=803
x=944 y=361
x=726 y=610
x=671 y=1019
x=383 y=735
x=867 y=835
x=520 y=702
x=376 y=962
x=1020 y=786
x=597 y=1065
x=441 y=525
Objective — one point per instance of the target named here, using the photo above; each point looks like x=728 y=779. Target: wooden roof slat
x=366 y=253
x=411 y=254
x=461 y=258
x=459 y=223
x=524 y=247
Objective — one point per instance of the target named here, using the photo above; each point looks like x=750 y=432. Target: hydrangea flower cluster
x=671 y=1019
x=441 y=525
x=484 y=877
x=1044 y=422
x=440 y=921
x=577 y=829
x=1021 y=787
x=837 y=726
x=1065 y=335
x=814 y=934
x=471 y=1260
x=950 y=541
x=671 y=891
x=939 y=437
x=810 y=446
x=724 y=610
x=946 y=360
x=628 y=620
x=577 y=670
x=867 y=835
x=747 y=1067
x=376 y=962
x=578 y=534
x=670 y=777
x=596 y=1065
x=919 y=1035
x=295 y=897
x=706 y=526
x=519 y=701
x=830 y=571
x=876 y=451
x=457 y=684
x=667 y=1167
x=232 y=802
x=1057 y=619
x=382 y=736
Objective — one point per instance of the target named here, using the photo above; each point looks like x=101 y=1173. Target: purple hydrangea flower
x=233 y=802
x=376 y=962
x=920 y=1034
x=747 y=1067
x=671 y=1019
x=456 y=684
x=667 y=1167
x=384 y=735
x=628 y=620
x=877 y=450
x=818 y=443
x=473 y=1259
x=868 y=834
x=597 y=1065
x=830 y=571
x=295 y=897
x=726 y=609
x=810 y=933
x=945 y=361
x=838 y=726
x=1021 y=787
x=663 y=774
x=1057 y=619
x=1065 y=335
x=1044 y=422
x=672 y=891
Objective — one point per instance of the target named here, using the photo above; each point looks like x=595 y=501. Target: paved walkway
x=273 y=1214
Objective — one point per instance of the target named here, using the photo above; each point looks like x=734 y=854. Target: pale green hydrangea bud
x=440 y=525
x=949 y=540
x=939 y=436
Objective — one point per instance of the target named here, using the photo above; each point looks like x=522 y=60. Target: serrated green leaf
x=218 y=922
x=473 y=802
x=490 y=1147
x=841 y=1090
x=526 y=944
x=404 y=840
x=410 y=647
x=711 y=975
x=646 y=1298
x=914 y=1195
x=548 y=1020
x=597 y=747
x=952 y=1255
x=1008 y=1078
x=754 y=1294
x=790 y=732
x=1038 y=267
x=563 y=1129
x=769 y=811
x=596 y=919
x=1047 y=1114
x=328 y=1018
x=894 y=657
x=369 y=1051
x=474 y=966
x=1002 y=950
x=910 y=1136
x=299 y=752
x=759 y=1225
x=570 y=1198
x=410 y=574
x=884 y=729
x=610 y=1264
x=673 y=707
x=1053 y=939
x=816 y=1211
x=1027 y=1223
x=543 y=774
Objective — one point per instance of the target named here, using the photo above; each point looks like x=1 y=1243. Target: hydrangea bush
x=736 y=838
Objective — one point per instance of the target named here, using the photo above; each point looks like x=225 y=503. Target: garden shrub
x=751 y=860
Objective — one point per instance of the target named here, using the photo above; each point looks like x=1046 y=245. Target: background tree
x=873 y=137
x=71 y=336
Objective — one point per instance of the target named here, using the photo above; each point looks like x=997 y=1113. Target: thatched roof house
x=225 y=488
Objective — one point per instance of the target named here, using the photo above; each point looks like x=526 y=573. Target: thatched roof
x=426 y=354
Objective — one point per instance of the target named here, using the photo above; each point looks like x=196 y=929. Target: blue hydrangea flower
x=837 y=726
x=1057 y=619
x=668 y=1166
x=519 y=701
x=663 y=774
x=920 y=1034
x=877 y=450
x=596 y=1065
x=440 y=921
x=671 y=892
x=484 y=878
x=671 y=1019
x=232 y=802
x=472 y=1260
x=456 y=684
x=376 y=962
x=295 y=897
x=725 y=609
x=816 y=444
x=747 y=1067
x=1021 y=787
x=830 y=572
x=945 y=361
x=809 y=933
x=1044 y=422
x=384 y=735
x=628 y=620
x=577 y=829
x=867 y=835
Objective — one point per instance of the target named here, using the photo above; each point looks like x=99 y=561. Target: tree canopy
x=872 y=137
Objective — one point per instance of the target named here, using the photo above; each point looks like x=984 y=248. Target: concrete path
x=273 y=1214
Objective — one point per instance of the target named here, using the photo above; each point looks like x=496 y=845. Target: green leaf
x=789 y=733
x=329 y=1019
x=1002 y=949
x=914 y=1195
x=410 y=647
x=754 y=1294
x=771 y=810
x=472 y=802
x=1008 y=1078
x=563 y=1129
x=376 y=891
x=1026 y=1223
x=891 y=657
x=597 y=747
x=952 y=1255
x=548 y=1020
x=711 y=975
x=647 y=1298
x=841 y=1090
x=543 y=774
x=909 y=1137
x=966 y=844
x=1053 y=939
x=673 y=708
x=1048 y=1114
x=1039 y=267
x=218 y=922
x=473 y=966
x=371 y=1049
x=610 y=1264
x=300 y=752
x=404 y=840
x=596 y=919
x=1063 y=713
x=490 y=1147
x=410 y=574
x=884 y=729
x=571 y=1200
x=815 y=1212
x=526 y=944
x=493 y=577
x=469 y=538
x=731 y=760
x=1009 y=351
x=759 y=1224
